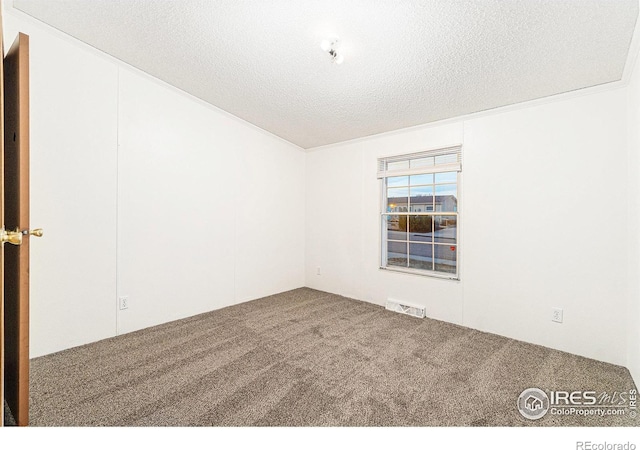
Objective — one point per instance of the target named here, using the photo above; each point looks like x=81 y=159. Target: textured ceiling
x=407 y=62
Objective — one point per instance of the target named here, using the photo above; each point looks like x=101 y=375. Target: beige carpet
x=8 y=417
x=309 y=358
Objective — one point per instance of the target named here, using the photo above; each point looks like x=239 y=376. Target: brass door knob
x=38 y=232
x=12 y=237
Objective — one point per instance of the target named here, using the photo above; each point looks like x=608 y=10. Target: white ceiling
x=407 y=62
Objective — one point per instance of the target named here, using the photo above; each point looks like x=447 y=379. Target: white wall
x=208 y=208
x=633 y=170
x=543 y=223
x=192 y=211
x=73 y=185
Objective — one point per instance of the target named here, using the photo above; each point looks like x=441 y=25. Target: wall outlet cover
x=556 y=315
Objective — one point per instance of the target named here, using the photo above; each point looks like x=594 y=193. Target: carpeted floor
x=309 y=358
x=8 y=417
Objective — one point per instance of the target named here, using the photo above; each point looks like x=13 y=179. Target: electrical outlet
x=317 y=270
x=556 y=315
x=123 y=302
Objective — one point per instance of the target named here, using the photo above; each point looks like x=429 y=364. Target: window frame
x=436 y=168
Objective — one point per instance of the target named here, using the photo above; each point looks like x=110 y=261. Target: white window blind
x=441 y=160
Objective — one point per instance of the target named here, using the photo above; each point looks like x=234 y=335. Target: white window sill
x=422 y=273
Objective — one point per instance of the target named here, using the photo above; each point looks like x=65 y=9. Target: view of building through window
x=420 y=220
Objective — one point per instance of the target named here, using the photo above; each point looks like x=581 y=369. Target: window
x=420 y=212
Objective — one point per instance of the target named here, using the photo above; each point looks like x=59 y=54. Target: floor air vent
x=404 y=308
